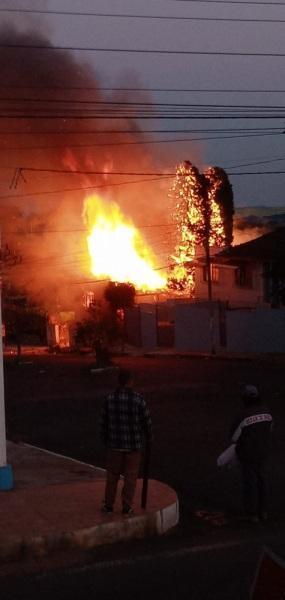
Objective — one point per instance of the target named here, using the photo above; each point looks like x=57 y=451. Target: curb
x=107 y=530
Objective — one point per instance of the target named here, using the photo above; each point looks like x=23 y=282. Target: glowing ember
x=198 y=217
x=116 y=248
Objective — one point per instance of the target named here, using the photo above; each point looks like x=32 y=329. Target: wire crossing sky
x=183 y=64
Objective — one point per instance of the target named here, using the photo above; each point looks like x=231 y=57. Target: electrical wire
x=131 y=131
x=140 y=50
x=139 y=89
x=138 y=16
x=64 y=171
x=228 y=137
x=248 y=2
x=80 y=189
x=135 y=104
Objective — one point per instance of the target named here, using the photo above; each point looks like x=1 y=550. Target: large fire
x=116 y=248
x=199 y=217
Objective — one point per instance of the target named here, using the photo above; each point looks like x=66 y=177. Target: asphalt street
x=54 y=402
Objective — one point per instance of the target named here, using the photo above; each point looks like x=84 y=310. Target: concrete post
x=3 y=456
x=6 y=475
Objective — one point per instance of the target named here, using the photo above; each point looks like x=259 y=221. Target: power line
x=131 y=131
x=82 y=230
x=141 y=50
x=141 y=142
x=258 y=173
x=260 y=162
x=231 y=2
x=197 y=116
x=140 y=16
x=81 y=189
x=138 y=89
x=158 y=174
x=119 y=105
x=79 y=172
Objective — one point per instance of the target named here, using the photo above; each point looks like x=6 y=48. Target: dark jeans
x=126 y=464
x=254 y=488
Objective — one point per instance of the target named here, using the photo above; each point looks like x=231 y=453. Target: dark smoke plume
x=44 y=229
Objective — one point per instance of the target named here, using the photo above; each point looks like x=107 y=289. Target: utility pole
x=6 y=474
x=206 y=242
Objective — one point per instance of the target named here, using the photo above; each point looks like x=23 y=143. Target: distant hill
x=262 y=217
x=260 y=211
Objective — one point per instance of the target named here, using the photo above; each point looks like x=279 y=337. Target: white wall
x=227 y=290
x=260 y=330
x=148 y=326
x=192 y=328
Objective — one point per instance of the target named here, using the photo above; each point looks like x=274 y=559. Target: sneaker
x=106 y=509
x=127 y=510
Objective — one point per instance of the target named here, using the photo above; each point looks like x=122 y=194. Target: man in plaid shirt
x=125 y=423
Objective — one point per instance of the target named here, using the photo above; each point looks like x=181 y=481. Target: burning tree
x=204 y=217
x=221 y=196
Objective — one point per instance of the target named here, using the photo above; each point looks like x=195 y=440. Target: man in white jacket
x=251 y=432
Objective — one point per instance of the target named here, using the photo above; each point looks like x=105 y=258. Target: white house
x=248 y=275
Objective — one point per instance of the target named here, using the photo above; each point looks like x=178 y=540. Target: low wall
x=193 y=328
x=260 y=330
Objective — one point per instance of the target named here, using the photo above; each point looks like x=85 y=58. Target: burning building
x=117 y=249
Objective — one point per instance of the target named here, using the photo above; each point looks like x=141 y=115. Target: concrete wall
x=193 y=328
x=255 y=330
x=148 y=326
x=133 y=325
x=260 y=330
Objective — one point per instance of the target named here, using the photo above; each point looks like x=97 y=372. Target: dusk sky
x=253 y=82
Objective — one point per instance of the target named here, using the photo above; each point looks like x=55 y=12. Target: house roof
x=268 y=247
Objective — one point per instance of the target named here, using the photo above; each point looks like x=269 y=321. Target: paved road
x=213 y=572
x=54 y=402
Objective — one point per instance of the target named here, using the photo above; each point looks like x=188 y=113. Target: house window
x=88 y=299
x=215 y=273
x=243 y=276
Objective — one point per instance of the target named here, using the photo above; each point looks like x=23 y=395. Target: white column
x=3 y=451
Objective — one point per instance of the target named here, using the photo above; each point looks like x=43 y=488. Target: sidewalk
x=56 y=501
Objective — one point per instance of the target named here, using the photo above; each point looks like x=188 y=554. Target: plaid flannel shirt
x=125 y=420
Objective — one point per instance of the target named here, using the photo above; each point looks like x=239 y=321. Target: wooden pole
x=146 y=466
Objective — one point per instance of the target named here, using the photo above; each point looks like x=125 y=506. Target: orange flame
x=116 y=248
x=190 y=208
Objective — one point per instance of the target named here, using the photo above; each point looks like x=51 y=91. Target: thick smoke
x=44 y=229
x=250 y=226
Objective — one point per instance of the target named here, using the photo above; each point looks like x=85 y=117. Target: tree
x=23 y=319
x=119 y=296
x=95 y=331
x=204 y=215
x=220 y=191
